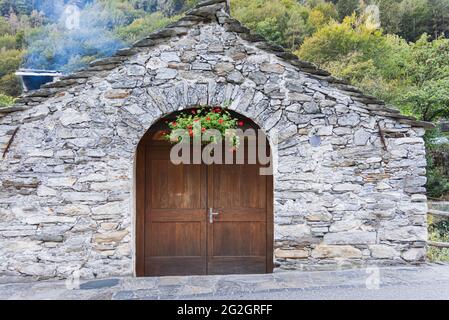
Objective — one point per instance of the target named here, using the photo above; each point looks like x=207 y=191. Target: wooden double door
x=197 y=219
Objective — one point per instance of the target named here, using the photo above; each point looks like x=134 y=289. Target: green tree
x=428 y=73
x=415 y=17
x=10 y=85
x=346 y=8
x=142 y=27
x=285 y=22
x=10 y=61
x=337 y=40
x=440 y=17
x=5 y=28
x=7 y=42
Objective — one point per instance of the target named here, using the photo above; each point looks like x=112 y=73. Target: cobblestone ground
x=427 y=282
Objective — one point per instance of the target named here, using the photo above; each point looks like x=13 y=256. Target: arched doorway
x=198 y=219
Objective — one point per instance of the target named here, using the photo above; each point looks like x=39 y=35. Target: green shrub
x=10 y=85
x=437 y=168
x=10 y=61
x=5 y=100
x=439 y=232
x=142 y=27
x=437 y=183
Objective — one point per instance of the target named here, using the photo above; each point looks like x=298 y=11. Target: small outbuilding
x=87 y=186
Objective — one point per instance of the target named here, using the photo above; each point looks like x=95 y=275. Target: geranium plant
x=197 y=122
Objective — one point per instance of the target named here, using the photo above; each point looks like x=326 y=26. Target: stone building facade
x=349 y=186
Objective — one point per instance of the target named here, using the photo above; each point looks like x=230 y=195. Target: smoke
x=78 y=32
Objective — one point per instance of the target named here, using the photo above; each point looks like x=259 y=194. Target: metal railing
x=439 y=209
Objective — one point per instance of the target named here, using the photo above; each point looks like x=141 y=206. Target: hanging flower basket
x=196 y=123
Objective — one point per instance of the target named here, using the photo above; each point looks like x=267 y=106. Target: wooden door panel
x=237 y=239
x=175 y=216
x=174 y=266
x=176 y=184
x=247 y=239
x=236 y=265
x=239 y=186
x=179 y=239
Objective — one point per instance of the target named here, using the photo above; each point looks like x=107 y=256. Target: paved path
x=427 y=282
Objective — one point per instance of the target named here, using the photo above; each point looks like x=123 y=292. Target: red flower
x=217 y=110
x=208 y=118
x=203 y=130
x=241 y=123
x=191 y=133
x=220 y=121
x=189 y=127
x=174 y=124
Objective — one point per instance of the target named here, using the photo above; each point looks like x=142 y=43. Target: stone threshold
x=214 y=287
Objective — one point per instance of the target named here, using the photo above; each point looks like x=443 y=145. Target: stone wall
x=348 y=187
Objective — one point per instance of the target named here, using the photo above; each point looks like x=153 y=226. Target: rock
x=317 y=217
x=109 y=237
x=189 y=56
x=166 y=74
x=351 y=237
x=380 y=251
x=84 y=196
x=236 y=77
x=342 y=252
x=224 y=68
x=361 y=137
x=415 y=255
x=44 y=191
x=272 y=68
x=295 y=234
x=325 y=131
x=345 y=225
x=41 y=219
x=311 y=108
x=201 y=66
x=117 y=94
x=170 y=57
x=94 y=177
x=38 y=269
x=135 y=70
x=351 y=120
x=347 y=187
x=75 y=210
x=258 y=77
x=107 y=210
x=61 y=182
x=156 y=63
x=71 y=116
x=407 y=233
x=419 y=198
x=291 y=254
x=299 y=97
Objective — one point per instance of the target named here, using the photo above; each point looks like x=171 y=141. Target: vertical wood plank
x=140 y=210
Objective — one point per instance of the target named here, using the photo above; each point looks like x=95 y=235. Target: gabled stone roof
x=206 y=12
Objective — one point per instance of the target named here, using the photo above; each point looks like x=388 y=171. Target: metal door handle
x=212 y=214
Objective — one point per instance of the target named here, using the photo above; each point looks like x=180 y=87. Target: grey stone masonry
x=349 y=186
